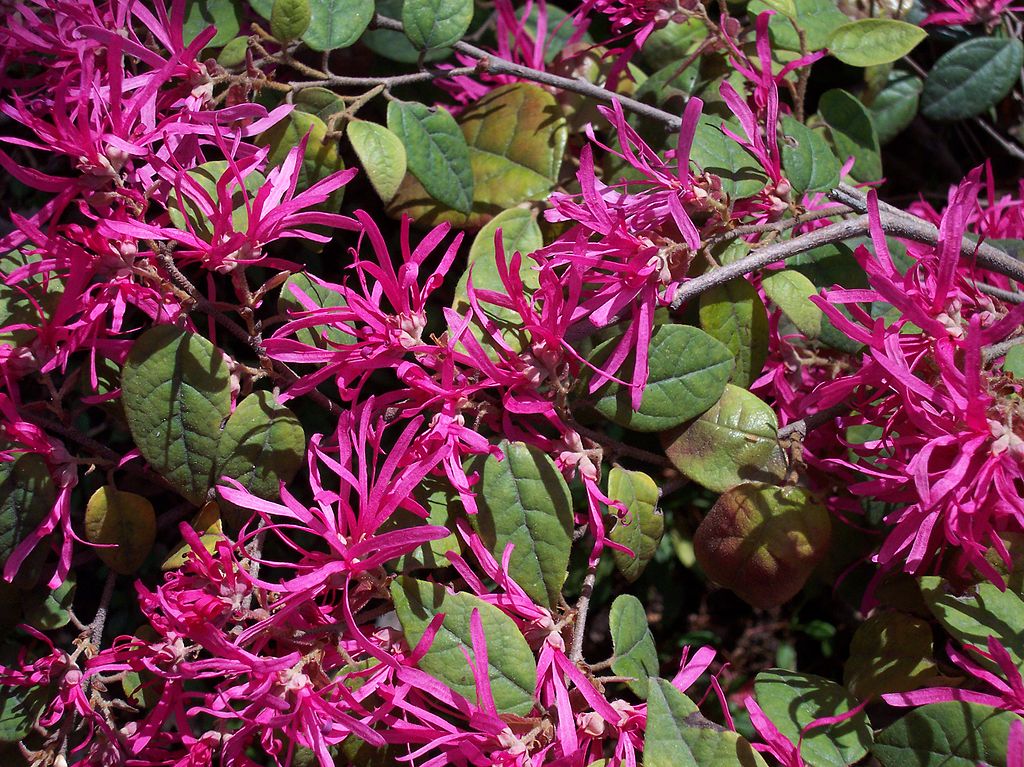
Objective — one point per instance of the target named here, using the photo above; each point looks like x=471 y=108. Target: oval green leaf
x=871 y=42
x=791 y=292
x=895 y=107
x=225 y=15
x=852 y=133
x=511 y=667
x=688 y=373
x=974 y=76
x=436 y=152
x=519 y=233
x=763 y=541
x=208 y=524
x=262 y=445
x=524 y=500
x=641 y=529
x=952 y=734
x=321 y=158
x=890 y=652
x=731 y=443
x=818 y=19
x=337 y=23
x=126 y=520
x=809 y=162
x=734 y=314
x=382 y=154
x=436 y=23
x=793 y=700
x=516 y=136
x=971 y=617
x=716 y=153
x=678 y=736
x=27 y=495
x=635 y=654
x=289 y=19
x=176 y=392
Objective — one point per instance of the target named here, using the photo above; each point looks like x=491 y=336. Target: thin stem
x=98 y=622
x=282 y=373
x=769 y=254
x=495 y=65
x=813 y=421
x=985 y=255
x=995 y=351
x=579 y=628
x=620 y=448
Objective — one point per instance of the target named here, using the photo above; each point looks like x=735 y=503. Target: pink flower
x=949 y=454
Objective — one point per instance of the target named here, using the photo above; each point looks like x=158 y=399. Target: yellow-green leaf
x=870 y=42
x=124 y=519
x=382 y=154
x=207 y=523
x=642 y=527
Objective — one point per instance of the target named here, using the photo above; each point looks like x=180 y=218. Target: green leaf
x=1014 y=362
x=982 y=611
x=895 y=107
x=27 y=495
x=337 y=24
x=871 y=42
x=52 y=611
x=890 y=652
x=972 y=77
x=852 y=133
x=436 y=23
x=828 y=265
x=716 y=153
x=176 y=392
x=320 y=102
x=127 y=521
x=516 y=136
x=300 y=294
x=793 y=700
x=524 y=500
x=688 y=373
x=233 y=53
x=320 y=160
x=395 y=46
x=643 y=526
x=678 y=736
x=207 y=523
x=635 y=654
x=951 y=734
x=809 y=162
x=187 y=214
x=785 y=7
x=225 y=15
x=817 y=18
x=511 y=667
x=763 y=542
x=734 y=314
x=262 y=445
x=382 y=154
x=440 y=501
x=289 y=19
x=729 y=444
x=791 y=292
x=20 y=707
x=519 y=233
x=436 y=151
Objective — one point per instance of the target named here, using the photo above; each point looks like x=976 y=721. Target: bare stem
x=579 y=628
x=492 y=64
